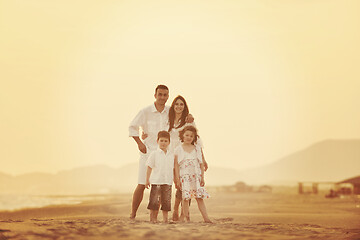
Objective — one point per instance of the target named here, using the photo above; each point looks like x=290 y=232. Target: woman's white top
x=175 y=138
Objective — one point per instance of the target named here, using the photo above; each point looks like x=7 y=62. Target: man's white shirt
x=151 y=121
x=162 y=165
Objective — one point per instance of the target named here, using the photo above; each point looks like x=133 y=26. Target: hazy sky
x=262 y=78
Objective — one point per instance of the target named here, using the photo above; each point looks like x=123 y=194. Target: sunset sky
x=263 y=79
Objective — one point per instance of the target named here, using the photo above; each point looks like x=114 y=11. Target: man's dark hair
x=161 y=87
x=163 y=134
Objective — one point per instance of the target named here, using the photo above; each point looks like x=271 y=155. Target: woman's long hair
x=172 y=113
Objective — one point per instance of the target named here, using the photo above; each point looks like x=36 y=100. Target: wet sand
x=234 y=215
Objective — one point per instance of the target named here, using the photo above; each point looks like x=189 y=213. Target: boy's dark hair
x=161 y=87
x=163 y=134
x=188 y=128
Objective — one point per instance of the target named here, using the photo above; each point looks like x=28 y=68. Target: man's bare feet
x=208 y=221
x=132 y=216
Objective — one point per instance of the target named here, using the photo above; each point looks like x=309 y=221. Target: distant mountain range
x=330 y=160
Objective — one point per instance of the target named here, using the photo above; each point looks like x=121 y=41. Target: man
x=152 y=120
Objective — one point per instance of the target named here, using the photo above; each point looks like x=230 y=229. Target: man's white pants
x=143 y=167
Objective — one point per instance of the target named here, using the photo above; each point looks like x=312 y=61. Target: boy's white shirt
x=162 y=165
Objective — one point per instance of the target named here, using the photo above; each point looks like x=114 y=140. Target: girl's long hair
x=191 y=129
x=172 y=113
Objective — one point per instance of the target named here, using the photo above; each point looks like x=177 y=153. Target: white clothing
x=190 y=173
x=180 y=152
x=151 y=121
x=175 y=138
x=162 y=165
x=142 y=167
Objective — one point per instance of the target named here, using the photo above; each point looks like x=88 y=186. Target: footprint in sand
x=82 y=231
x=40 y=235
x=310 y=225
x=264 y=224
x=11 y=221
x=41 y=220
x=149 y=234
x=224 y=219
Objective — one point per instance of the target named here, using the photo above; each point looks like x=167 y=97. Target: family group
x=170 y=152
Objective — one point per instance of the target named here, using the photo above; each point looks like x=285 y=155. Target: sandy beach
x=234 y=215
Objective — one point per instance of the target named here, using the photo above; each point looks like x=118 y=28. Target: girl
x=189 y=172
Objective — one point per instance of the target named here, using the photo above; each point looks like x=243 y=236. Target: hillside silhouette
x=330 y=160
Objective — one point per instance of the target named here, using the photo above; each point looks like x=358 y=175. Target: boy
x=160 y=173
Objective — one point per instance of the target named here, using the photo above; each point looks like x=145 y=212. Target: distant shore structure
x=315 y=186
x=241 y=187
x=355 y=182
x=345 y=187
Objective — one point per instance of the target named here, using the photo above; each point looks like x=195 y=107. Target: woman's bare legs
x=181 y=218
x=175 y=216
x=202 y=208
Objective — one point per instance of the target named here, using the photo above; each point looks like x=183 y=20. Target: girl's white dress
x=190 y=173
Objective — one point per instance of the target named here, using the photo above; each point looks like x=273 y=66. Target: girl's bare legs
x=181 y=219
x=165 y=216
x=175 y=216
x=185 y=209
x=202 y=208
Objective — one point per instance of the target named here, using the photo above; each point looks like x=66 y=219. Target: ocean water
x=17 y=202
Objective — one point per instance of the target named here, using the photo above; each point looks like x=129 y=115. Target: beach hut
x=355 y=182
x=312 y=187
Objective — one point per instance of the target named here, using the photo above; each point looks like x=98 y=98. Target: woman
x=177 y=115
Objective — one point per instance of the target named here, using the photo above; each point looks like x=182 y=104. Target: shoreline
x=245 y=216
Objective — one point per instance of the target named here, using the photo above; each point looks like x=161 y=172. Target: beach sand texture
x=235 y=216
